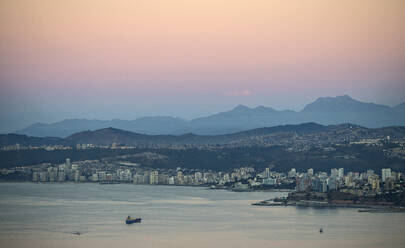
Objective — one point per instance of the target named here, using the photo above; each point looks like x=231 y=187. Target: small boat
x=321 y=230
x=131 y=220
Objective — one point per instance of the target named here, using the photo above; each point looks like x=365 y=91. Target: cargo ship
x=131 y=220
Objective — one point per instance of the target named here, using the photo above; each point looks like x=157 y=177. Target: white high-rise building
x=67 y=164
x=310 y=172
x=334 y=173
x=341 y=172
x=292 y=173
x=385 y=174
x=154 y=177
x=94 y=177
x=267 y=172
x=77 y=176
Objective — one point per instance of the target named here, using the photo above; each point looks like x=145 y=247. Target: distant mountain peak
x=343 y=103
x=263 y=108
x=343 y=98
x=400 y=107
x=324 y=110
x=241 y=107
x=260 y=108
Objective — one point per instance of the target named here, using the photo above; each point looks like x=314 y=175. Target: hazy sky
x=125 y=59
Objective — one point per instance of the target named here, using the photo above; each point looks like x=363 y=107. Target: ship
x=131 y=220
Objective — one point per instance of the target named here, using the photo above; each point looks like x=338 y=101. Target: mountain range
x=325 y=111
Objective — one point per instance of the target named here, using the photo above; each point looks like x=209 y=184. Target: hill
x=286 y=135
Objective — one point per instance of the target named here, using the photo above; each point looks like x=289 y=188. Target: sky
x=106 y=59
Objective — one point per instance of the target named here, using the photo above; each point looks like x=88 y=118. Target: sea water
x=51 y=215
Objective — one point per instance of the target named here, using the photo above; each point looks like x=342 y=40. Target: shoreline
x=209 y=187
x=321 y=204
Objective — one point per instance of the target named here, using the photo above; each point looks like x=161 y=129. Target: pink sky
x=88 y=58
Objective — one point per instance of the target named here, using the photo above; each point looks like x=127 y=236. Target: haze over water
x=45 y=215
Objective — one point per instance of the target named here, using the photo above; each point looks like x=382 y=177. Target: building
x=334 y=173
x=303 y=183
x=332 y=183
x=266 y=173
x=67 y=164
x=385 y=174
x=154 y=177
x=341 y=173
x=269 y=181
x=292 y=173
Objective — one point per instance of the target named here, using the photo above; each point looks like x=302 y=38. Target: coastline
x=370 y=208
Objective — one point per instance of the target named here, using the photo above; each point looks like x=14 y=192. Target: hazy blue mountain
x=147 y=125
x=242 y=118
x=324 y=110
x=400 y=108
x=62 y=128
x=155 y=125
x=342 y=104
x=344 y=109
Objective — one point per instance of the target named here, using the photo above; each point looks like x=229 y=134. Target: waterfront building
x=154 y=177
x=61 y=176
x=303 y=183
x=241 y=187
x=188 y=180
x=341 y=172
x=198 y=176
x=370 y=173
x=171 y=181
x=77 y=176
x=35 y=176
x=43 y=176
x=163 y=178
x=334 y=173
x=292 y=173
x=94 y=177
x=319 y=185
x=109 y=177
x=226 y=178
x=332 y=183
x=209 y=177
x=269 y=181
x=267 y=172
x=52 y=176
x=310 y=172
x=389 y=184
x=179 y=178
x=137 y=179
x=145 y=178
x=67 y=164
x=385 y=174
x=102 y=176
x=375 y=184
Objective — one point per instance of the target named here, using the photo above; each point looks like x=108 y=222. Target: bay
x=47 y=215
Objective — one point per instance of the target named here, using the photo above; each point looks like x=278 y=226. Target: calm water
x=45 y=215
